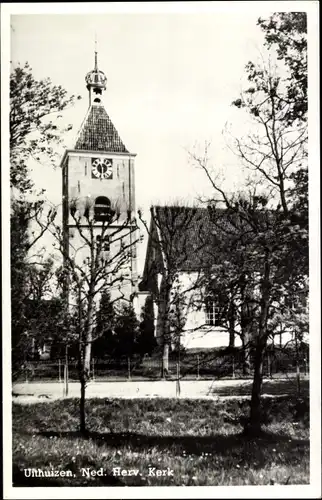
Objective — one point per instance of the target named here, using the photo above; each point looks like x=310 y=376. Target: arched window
x=102 y=209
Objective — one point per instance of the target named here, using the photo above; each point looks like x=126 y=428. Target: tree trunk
x=231 y=338
x=85 y=366
x=165 y=360
x=87 y=357
x=246 y=353
x=84 y=376
x=246 y=326
x=297 y=360
x=232 y=326
x=253 y=426
x=84 y=359
x=88 y=339
x=82 y=413
x=82 y=380
x=166 y=333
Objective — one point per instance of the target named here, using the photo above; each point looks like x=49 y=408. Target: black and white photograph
x=161 y=258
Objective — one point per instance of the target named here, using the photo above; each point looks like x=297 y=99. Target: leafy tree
x=24 y=272
x=35 y=112
x=44 y=320
x=106 y=318
x=45 y=314
x=126 y=331
x=19 y=244
x=146 y=341
x=35 y=107
x=287 y=33
x=38 y=317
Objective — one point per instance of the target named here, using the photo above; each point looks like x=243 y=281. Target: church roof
x=180 y=237
x=184 y=232
x=98 y=133
x=186 y=238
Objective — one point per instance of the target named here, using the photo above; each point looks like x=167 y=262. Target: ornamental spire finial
x=95 y=79
x=95 y=67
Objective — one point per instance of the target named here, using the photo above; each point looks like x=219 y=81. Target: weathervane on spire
x=95 y=80
x=95 y=67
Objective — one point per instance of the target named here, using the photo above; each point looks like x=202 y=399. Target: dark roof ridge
x=185 y=207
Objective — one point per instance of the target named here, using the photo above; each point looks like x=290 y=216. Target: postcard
x=160 y=178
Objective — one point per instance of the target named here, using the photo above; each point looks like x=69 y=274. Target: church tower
x=98 y=179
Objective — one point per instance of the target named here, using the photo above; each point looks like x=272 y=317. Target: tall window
x=214 y=312
x=102 y=209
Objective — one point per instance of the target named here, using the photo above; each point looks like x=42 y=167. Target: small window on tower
x=106 y=246
x=102 y=209
x=104 y=242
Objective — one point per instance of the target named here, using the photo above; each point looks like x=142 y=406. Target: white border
x=314 y=489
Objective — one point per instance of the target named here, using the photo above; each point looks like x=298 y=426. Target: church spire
x=95 y=81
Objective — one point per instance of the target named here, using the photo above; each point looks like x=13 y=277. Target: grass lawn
x=270 y=386
x=199 y=440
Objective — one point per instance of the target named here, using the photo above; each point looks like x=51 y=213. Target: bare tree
x=275 y=151
x=256 y=245
x=269 y=225
x=175 y=253
x=96 y=261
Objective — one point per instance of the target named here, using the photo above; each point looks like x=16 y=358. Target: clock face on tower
x=102 y=168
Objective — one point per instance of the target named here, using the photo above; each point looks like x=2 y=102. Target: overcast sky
x=171 y=80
